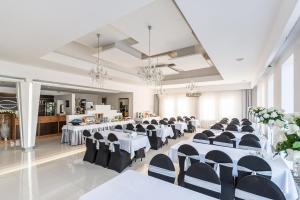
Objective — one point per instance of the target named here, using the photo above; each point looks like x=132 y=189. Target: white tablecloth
x=181 y=126
x=130 y=144
x=132 y=185
x=73 y=134
x=195 y=122
x=281 y=174
x=162 y=131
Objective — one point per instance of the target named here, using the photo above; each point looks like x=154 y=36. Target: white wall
x=67 y=97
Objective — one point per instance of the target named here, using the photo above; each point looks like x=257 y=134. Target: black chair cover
x=193 y=117
x=163 y=122
x=248 y=123
x=252 y=136
x=260 y=186
x=231 y=127
x=155 y=141
x=251 y=164
x=91 y=151
x=167 y=171
x=249 y=142
x=222 y=161
x=201 y=178
x=103 y=151
x=216 y=127
x=223 y=140
x=119 y=159
x=228 y=134
x=130 y=127
x=120 y=127
x=247 y=128
x=201 y=138
x=140 y=128
x=187 y=150
x=208 y=133
x=172 y=119
x=153 y=121
x=146 y=122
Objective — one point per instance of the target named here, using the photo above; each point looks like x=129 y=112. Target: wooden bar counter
x=47 y=125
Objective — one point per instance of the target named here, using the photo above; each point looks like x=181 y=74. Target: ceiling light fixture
x=239 y=59
x=151 y=73
x=98 y=74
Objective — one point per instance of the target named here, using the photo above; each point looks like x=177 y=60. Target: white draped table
x=132 y=185
x=73 y=134
x=162 y=131
x=281 y=175
x=181 y=126
x=128 y=143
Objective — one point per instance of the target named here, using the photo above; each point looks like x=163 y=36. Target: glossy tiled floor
x=56 y=171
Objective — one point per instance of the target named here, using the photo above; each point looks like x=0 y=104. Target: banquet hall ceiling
x=209 y=41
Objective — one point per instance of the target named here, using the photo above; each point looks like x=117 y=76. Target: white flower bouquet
x=271 y=116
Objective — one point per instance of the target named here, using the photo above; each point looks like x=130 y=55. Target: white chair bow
x=201 y=141
x=217 y=165
x=112 y=145
x=187 y=161
x=202 y=183
x=253 y=172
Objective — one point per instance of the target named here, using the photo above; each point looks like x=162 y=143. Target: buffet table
x=132 y=185
x=281 y=174
x=73 y=134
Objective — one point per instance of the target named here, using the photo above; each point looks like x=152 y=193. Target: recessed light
x=239 y=59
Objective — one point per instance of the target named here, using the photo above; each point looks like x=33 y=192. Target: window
x=270 y=91
x=287 y=85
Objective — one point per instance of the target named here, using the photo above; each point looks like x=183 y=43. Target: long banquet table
x=132 y=185
x=73 y=134
x=281 y=174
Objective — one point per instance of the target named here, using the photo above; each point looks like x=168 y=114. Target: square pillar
x=28 y=94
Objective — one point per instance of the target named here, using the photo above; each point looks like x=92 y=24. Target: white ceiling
x=32 y=28
x=234 y=29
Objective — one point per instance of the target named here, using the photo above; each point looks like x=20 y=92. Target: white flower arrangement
x=271 y=116
x=255 y=110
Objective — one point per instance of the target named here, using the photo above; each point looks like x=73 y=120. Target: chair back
x=231 y=127
x=187 y=119
x=165 y=119
x=208 y=133
x=163 y=122
x=201 y=178
x=180 y=119
x=171 y=122
x=119 y=127
x=193 y=117
x=114 y=145
x=153 y=121
x=252 y=136
x=247 y=128
x=187 y=156
x=130 y=127
x=223 y=140
x=235 y=123
x=140 y=128
x=172 y=119
x=216 y=127
x=161 y=167
x=150 y=127
x=258 y=188
x=146 y=122
x=253 y=165
x=222 y=163
x=248 y=123
x=245 y=119
x=201 y=138
x=100 y=142
x=250 y=144
x=229 y=134
x=87 y=137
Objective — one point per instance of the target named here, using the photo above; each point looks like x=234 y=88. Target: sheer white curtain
x=173 y=105
x=262 y=93
x=287 y=85
x=270 y=91
x=215 y=105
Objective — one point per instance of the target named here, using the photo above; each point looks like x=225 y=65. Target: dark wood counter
x=47 y=125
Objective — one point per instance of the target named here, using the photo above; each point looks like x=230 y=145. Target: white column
x=28 y=93
x=296 y=78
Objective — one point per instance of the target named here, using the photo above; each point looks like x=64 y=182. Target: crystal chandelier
x=191 y=86
x=151 y=74
x=98 y=74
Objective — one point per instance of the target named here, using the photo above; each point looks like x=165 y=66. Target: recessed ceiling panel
x=168 y=71
x=120 y=58
x=191 y=62
x=169 y=29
